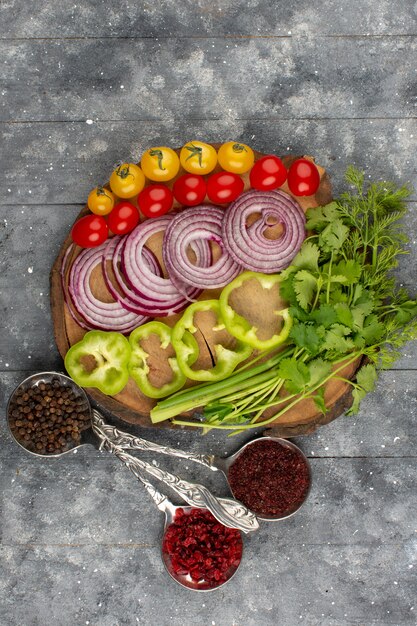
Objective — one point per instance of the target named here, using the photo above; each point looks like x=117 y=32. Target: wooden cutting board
x=131 y=405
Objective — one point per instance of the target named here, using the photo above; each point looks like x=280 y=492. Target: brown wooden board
x=131 y=405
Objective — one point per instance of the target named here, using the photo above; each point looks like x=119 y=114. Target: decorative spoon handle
x=130 y=442
x=229 y=512
x=159 y=498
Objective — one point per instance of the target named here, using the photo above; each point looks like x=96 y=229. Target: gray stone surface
x=80 y=539
x=75 y=80
x=101 y=18
x=101 y=564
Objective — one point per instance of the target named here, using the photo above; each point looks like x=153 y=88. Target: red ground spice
x=201 y=548
x=269 y=478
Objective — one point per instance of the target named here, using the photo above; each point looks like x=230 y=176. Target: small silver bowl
x=185 y=580
x=227 y=463
x=33 y=381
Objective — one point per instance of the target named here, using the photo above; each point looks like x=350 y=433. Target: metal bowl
x=287 y=444
x=64 y=381
x=186 y=580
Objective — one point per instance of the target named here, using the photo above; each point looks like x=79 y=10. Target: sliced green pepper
x=239 y=327
x=100 y=360
x=138 y=364
x=226 y=358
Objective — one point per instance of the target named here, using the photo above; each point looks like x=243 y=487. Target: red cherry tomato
x=268 y=173
x=224 y=187
x=190 y=189
x=123 y=218
x=155 y=200
x=303 y=178
x=90 y=231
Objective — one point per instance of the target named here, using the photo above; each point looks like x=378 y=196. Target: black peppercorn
x=40 y=423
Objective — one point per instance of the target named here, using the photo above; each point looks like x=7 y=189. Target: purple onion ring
x=248 y=245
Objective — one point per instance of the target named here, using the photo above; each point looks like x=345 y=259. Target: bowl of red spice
x=271 y=476
x=199 y=552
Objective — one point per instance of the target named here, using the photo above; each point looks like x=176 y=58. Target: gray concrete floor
x=88 y=84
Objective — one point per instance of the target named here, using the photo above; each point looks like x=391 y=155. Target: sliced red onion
x=158 y=295
x=67 y=298
x=97 y=314
x=197 y=224
x=124 y=295
x=248 y=245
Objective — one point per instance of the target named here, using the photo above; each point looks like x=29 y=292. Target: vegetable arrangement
x=339 y=303
x=344 y=306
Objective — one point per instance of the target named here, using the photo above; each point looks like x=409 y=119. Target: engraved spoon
x=228 y=511
x=130 y=442
x=170 y=510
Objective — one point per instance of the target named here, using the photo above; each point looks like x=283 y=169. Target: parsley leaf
x=372 y=330
x=319 y=370
x=306 y=336
x=350 y=269
x=333 y=236
x=295 y=373
x=319 y=400
x=319 y=217
x=365 y=379
x=344 y=314
x=308 y=257
x=326 y=315
x=304 y=286
x=335 y=339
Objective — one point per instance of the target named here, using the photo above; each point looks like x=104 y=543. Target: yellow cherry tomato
x=100 y=201
x=198 y=157
x=236 y=157
x=127 y=180
x=160 y=163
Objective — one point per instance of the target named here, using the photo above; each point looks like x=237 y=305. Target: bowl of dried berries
x=199 y=552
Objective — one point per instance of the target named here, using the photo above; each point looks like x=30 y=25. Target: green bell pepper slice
x=138 y=363
x=100 y=360
x=226 y=358
x=239 y=327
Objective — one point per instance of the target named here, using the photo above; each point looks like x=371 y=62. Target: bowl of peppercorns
x=48 y=414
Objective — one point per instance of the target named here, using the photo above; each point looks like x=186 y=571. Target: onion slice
x=192 y=226
x=67 y=298
x=248 y=244
x=158 y=295
x=123 y=293
x=96 y=313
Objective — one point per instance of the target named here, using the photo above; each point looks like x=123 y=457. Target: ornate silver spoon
x=170 y=511
x=228 y=511
x=130 y=442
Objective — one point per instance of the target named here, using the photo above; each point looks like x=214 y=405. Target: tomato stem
x=101 y=191
x=195 y=151
x=123 y=171
x=160 y=156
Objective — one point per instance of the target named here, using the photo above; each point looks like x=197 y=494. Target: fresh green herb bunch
x=344 y=304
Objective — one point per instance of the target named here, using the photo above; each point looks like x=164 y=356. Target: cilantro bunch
x=345 y=306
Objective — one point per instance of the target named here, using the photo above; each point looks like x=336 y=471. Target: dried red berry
x=201 y=548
